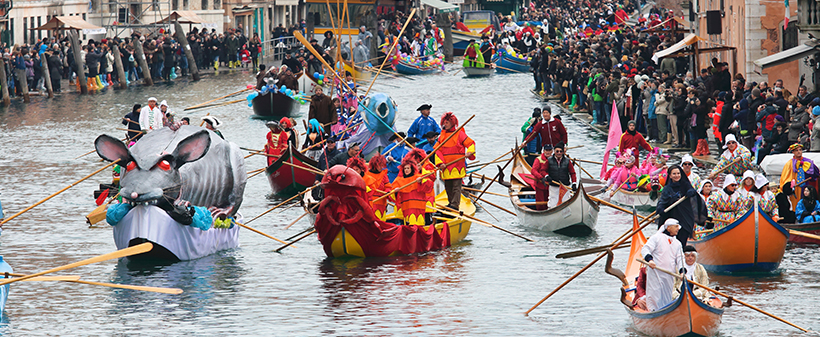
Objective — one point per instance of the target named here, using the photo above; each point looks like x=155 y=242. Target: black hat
x=689 y=248
x=424 y=107
x=547 y=147
x=560 y=145
x=412 y=140
x=331 y=139
x=314 y=40
x=430 y=134
x=394 y=136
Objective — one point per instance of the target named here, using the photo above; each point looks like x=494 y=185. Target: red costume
x=552 y=132
x=276 y=146
x=375 y=178
x=454 y=148
x=412 y=201
x=542 y=191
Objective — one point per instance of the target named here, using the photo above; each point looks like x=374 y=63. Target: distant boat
x=410 y=69
x=478 y=71
x=507 y=63
x=274 y=105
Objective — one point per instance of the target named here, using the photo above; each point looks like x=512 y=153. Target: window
x=174 y=5
x=204 y=5
x=790 y=35
x=217 y=4
x=185 y=4
x=39 y=23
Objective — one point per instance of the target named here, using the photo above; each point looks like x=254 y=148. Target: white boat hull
x=639 y=200
x=576 y=217
x=185 y=242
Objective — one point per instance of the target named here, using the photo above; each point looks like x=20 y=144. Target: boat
x=772 y=165
x=478 y=71
x=754 y=243
x=473 y=23
x=307 y=82
x=576 y=216
x=639 y=199
x=811 y=228
x=685 y=316
x=360 y=74
x=507 y=63
x=4 y=289
x=286 y=180
x=274 y=105
x=345 y=192
x=411 y=69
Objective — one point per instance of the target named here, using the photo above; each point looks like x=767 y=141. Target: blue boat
x=504 y=60
x=4 y=289
x=410 y=69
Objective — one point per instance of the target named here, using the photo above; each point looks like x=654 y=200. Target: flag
x=786 y=19
x=102 y=197
x=614 y=137
x=562 y=190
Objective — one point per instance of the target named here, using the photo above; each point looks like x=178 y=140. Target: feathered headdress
x=377 y=163
x=417 y=155
x=449 y=116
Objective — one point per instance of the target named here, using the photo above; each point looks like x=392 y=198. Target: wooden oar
x=134 y=250
x=259 y=232
x=582 y=168
x=607 y=203
x=203 y=121
x=76 y=279
x=590 y=161
x=294 y=241
x=494 y=205
x=804 y=234
x=218 y=104
x=325 y=140
x=471 y=165
x=216 y=99
x=722 y=294
x=592 y=250
x=129 y=130
x=622 y=184
x=282 y=203
x=307 y=167
x=48 y=278
x=254 y=153
x=257 y=170
x=713 y=175
x=459 y=214
x=257 y=173
x=297 y=220
x=385 y=195
x=440 y=144
x=477 y=190
x=475 y=202
x=616 y=243
x=58 y=192
x=390 y=51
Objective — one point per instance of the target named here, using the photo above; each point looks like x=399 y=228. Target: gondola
x=274 y=105
x=410 y=69
x=478 y=71
x=754 y=243
x=639 y=199
x=685 y=316
x=576 y=216
x=502 y=59
x=286 y=180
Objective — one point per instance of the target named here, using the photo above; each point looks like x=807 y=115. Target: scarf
x=632 y=133
x=727 y=191
x=150 y=118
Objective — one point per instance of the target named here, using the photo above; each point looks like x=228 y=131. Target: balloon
x=321 y=77
x=250 y=86
x=321 y=82
x=316 y=75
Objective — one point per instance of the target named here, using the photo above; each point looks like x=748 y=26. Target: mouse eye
x=131 y=165
x=164 y=165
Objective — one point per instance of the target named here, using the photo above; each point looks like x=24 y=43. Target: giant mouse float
x=181 y=191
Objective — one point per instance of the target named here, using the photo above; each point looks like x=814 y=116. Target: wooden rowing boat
x=409 y=69
x=274 y=105
x=504 y=60
x=811 y=228
x=4 y=289
x=286 y=180
x=685 y=316
x=640 y=200
x=574 y=217
x=754 y=243
x=478 y=71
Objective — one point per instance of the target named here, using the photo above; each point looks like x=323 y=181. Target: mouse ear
x=111 y=149
x=192 y=148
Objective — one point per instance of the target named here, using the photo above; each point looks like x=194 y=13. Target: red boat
x=810 y=228
x=288 y=180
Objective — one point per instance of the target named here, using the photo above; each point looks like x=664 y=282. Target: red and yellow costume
x=454 y=148
x=412 y=201
x=418 y=155
x=277 y=145
x=376 y=182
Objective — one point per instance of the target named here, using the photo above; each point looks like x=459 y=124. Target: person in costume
x=619 y=163
x=734 y=151
x=458 y=146
x=377 y=183
x=542 y=180
x=808 y=208
x=412 y=201
x=694 y=272
x=662 y=251
x=688 y=213
x=634 y=141
x=655 y=170
x=705 y=190
x=486 y=48
x=627 y=177
x=688 y=165
x=211 y=123
x=357 y=164
x=418 y=155
x=726 y=203
x=472 y=56
x=764 y=198
x=797 y=174
x=131 y=120
x=328 y=153
x=746 y=184
x=394 y=153
x=551 y=130
x=315 y=135
x=277 y=142
x=423 y=124
x=150 y=117
x=322 y=109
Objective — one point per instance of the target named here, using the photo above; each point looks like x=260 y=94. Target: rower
x=662 y=251
x=211 y=123
x=357 y=164
x=277 y=141
x=150 y=118
x=328 y=153
x=456 y=147
x=688 y=164
x=376 y=180
x=540 y=170
x=763 y=197
x=705 y=190
x=353 y=150
x=131 y=120
x=627 y=177
x=322 y=109
x=418 y=155
x=412 y=201
x=429 y=143
x=694 y=272
x=732 y=153
x=798 y=173
x=423 y=124
x=471 y=55
x=634 y=141
x=486 y=50
x=726 y=204
x=746 y=184
x=394 y=153
x=550 y=129
x=561 y=172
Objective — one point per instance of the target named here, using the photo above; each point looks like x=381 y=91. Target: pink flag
x=614 y=137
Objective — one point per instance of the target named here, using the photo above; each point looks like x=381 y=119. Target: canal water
x=478 y=287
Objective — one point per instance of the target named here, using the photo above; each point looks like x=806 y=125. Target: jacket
x=552 y=132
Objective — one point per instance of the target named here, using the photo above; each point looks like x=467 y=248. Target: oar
x=493 y=161
x=514 y=152
x=439 y=145
x=592 y=250
x=385 y=195
x=607 y=203
x=590 y=162
x=494 y=205
x=485 y=164
x=76 y=279
x=297 y=220
x=129 y=130
x=713 y=175
x=458 y=71
x=47 y=278
x=294 y=241
x=259 y=232
x=257 y=170
x=254 y=153
x=218 y=104
x=282 y=203
x=257 y=173
x=581 y=167
x=723 y=294
x=58 y=192
x=477 y=190
x=307 y=167
x=460 y=214
x=216 y=99
x=804 y=234
x=475 y=202
x=390 y=51
x=134 y=250
x=325 y=140
x=616 y=243
x=622 y=184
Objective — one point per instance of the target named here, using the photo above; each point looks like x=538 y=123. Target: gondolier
x=150 y=118
x=663 y=251
x=688 y=166
x=550 y=129
x=423 y=124
x=559 y=171
x=734 y=151
x=456 y=147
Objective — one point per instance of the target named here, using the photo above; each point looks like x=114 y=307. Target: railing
x=278 y=47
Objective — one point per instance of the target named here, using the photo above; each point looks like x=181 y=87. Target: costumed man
x=423 y=124
x=550 y=129
x=798 y=173
x=357 y=164
x=486 y=49
x=418 y=155
x=377 y=184
x=688 y=165
x=277 y=142
x=725 y=204
x=150 y=116
x=634 y=141
x=764 y=198
x=394 y=154
x=322 y=109
x=663 y=251
x=457 y=146
x=211 y=123
x=694 y=272
x=734 y=151
x=561 y=173
x=412 y=201
x=472 y=56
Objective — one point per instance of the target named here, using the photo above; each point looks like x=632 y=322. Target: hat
x=411 y=140
x=272 y=124
x=795 y=146
x=152 y=99
x=689 y=248
x=397 y=135
x=163 y=103
x=431 y=134
x=703 y=183
x=332 y=139
x=815 y=110
x=424 y=107
x=730 y=179
x=547 y=147
x=729 y=138
x=815 y=101
x=212 y=121
x=547 y=109
x=769 y=99
x=687 y=159
x=560 y=145
x=667 y=223
x=760 y=181
x=747 y=174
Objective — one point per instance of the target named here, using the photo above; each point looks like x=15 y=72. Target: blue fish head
x=379 y=112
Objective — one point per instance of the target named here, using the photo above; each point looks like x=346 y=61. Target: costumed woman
x=705 y=189
x=627 y=176
x=412 y=201
x=689 y=212
x=377 y=183
x=726 y=203
x=763 y=197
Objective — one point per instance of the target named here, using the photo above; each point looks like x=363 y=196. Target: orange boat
x=752 y=244
x=685 y=316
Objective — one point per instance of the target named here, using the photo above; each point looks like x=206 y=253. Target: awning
x=71 y=22
x=789 y=55
x=442 y=6
x=287 y=2
x=183 y=17
x=242 y=11
x=687 y=41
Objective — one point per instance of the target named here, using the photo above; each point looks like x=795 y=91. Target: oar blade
x=172 y=291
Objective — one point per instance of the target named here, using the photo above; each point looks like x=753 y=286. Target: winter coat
x=801 y=120
x=815 y=134
x=662 y=103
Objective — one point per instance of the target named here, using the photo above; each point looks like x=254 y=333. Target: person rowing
x=662 y=251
